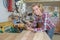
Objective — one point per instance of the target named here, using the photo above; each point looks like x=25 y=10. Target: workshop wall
x=3 y=12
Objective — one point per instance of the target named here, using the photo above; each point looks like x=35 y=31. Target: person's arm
x=31 y=26
x=48 y=23
x=35 y=24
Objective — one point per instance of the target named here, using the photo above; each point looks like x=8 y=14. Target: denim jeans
x=50 y=32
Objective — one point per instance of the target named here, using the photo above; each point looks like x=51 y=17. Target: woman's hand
x=30 y=29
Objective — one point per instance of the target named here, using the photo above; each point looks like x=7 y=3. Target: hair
x=39 y=5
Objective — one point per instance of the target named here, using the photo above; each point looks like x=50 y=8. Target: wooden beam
x=41 y=0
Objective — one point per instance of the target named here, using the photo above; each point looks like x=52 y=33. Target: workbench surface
x=25 y=35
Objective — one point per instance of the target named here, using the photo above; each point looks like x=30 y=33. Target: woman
x=42 y=19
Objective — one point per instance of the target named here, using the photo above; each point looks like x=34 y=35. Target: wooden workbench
x=25 y=35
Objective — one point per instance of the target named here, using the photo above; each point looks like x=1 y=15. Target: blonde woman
x=41 y=21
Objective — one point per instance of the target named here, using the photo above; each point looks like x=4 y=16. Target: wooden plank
x=41 y=0
x=28 y=36
x=41 y=36
x=20 y=35
x=25 y=35
x=12 y=36
x=31 y=35
x=3 y=36
x=46 y=37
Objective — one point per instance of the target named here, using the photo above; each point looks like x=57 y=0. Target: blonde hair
x=39 y=5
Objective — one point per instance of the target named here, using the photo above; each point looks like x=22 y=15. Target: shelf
x=41 y=0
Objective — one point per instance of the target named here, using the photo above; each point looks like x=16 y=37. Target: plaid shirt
x=47 y=24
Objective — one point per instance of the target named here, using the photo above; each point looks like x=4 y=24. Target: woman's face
x=36 y=10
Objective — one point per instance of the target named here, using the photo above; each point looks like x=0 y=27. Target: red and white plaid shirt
x=47 y=24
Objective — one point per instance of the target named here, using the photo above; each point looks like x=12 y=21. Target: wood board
x=25 y=35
